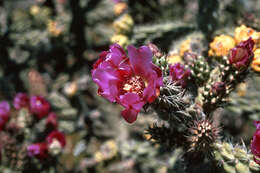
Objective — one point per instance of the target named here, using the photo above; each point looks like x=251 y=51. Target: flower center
x=134 y=84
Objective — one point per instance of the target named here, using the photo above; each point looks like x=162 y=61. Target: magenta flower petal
x=21 y=100
x=141 y=60
x=131 y=100
x=133 y=104
x=107 y=80
x=113 y=58
x=130 y=115
x=179 y=74
x=102 y=58
x=116 y=54
x=150 y=92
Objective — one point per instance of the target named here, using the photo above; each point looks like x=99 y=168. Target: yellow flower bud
x=173 y=58
x=124 y=24
x=120 y=39
x=98 y=156
x=241 y=89
x=185 y=47
x=70 y=89
x=256 y=61
x=53 y=28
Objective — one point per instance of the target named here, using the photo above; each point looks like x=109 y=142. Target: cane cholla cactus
x=186 y=110
x=234 y=158
x=233 y=71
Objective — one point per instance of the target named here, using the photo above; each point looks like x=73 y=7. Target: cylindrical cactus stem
x=200 y=69
x=234 y=158
x=162 y=62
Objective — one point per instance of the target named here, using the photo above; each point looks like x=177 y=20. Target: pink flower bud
x=21 y=100
x=51 y=121
x=4 y=113
x=179 y=74
x=39 y=106
x=241 y=55
x=38 y=150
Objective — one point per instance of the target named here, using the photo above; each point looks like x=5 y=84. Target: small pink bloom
x=21 y=100
x=39 y=106
x=38 y=150
x=4 y=113
x=255 y=143
x=131 y=82
x=60 y=137
x=241 y=55
x=51 y=121
x=179 y=74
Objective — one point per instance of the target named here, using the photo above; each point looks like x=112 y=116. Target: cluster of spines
x=161 y=134
x=172 y=99
x=202 y=135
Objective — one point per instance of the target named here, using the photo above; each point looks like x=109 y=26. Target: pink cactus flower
x=255 y=143
x=132 y=82
x=21 y=100
x=179 y=74
x=39 y=106
x=241 y=55
x=38 y=150
x=4 y=113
